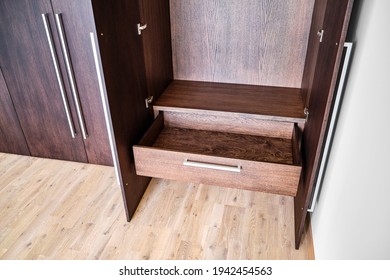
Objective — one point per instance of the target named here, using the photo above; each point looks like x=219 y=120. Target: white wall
x=352 y=217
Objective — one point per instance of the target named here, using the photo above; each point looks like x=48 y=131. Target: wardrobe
x=229 y=93
x=247 y=100
x=48 y=69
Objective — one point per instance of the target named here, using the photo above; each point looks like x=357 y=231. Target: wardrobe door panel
x=335 y=26
x=35 y=83
x=75 y=21
x=123 y=68
x=11 y=135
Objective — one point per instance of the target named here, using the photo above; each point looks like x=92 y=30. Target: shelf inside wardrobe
x=266 y=102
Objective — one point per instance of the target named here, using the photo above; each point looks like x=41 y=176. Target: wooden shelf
x=269 y=103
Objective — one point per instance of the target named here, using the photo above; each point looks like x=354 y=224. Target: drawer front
x=244 y=174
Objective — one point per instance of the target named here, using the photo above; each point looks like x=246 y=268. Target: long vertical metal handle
x=69 y=68
x=58 y=74
x=348 y=46
x=106 y=108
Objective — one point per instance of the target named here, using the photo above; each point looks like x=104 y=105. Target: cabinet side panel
x=11 y=135
x=241 y=41
x=124 y=74
x=324 y=82
x=312 y=49
x=157 y=47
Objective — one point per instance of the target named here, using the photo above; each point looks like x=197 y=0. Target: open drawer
x=249 y=162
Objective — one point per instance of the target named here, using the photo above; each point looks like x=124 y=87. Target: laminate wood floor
x=53 y=209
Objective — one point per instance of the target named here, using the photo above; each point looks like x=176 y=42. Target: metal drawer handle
x=69 y=69
x=212 y=166
x=58 y=74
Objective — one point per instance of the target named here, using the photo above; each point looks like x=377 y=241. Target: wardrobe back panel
x=260 y=42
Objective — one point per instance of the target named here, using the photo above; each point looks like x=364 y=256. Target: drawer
x=249 y=162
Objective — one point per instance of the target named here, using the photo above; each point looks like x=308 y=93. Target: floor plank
x=52 y=209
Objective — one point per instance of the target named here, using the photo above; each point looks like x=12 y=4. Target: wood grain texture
x=122 y=57
x=256 y=176
x=271 y=103
x=296 y=145
x=335 y=24
x=222 y=144
x=156 y=39
x=78 y=21
x=11 y=135
x=234 y=123
x=267 y=164
x=28 y=69
x=313 y=48
x=153 y=132
x=57 y=210
x=246 y=42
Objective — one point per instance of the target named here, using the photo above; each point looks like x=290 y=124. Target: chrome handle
x=58 y=74
x=106 y=108
x=332 y=124
x=69 y=68
x=212 y=166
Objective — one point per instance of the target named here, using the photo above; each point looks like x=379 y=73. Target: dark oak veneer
x=78 y=21
x=156 y=42
x=122 y=61
x=320 y=83
x=11 y=135
x=28 y=67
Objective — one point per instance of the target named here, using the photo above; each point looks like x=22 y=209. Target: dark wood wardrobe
x=229 y=93
x=48 y=65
